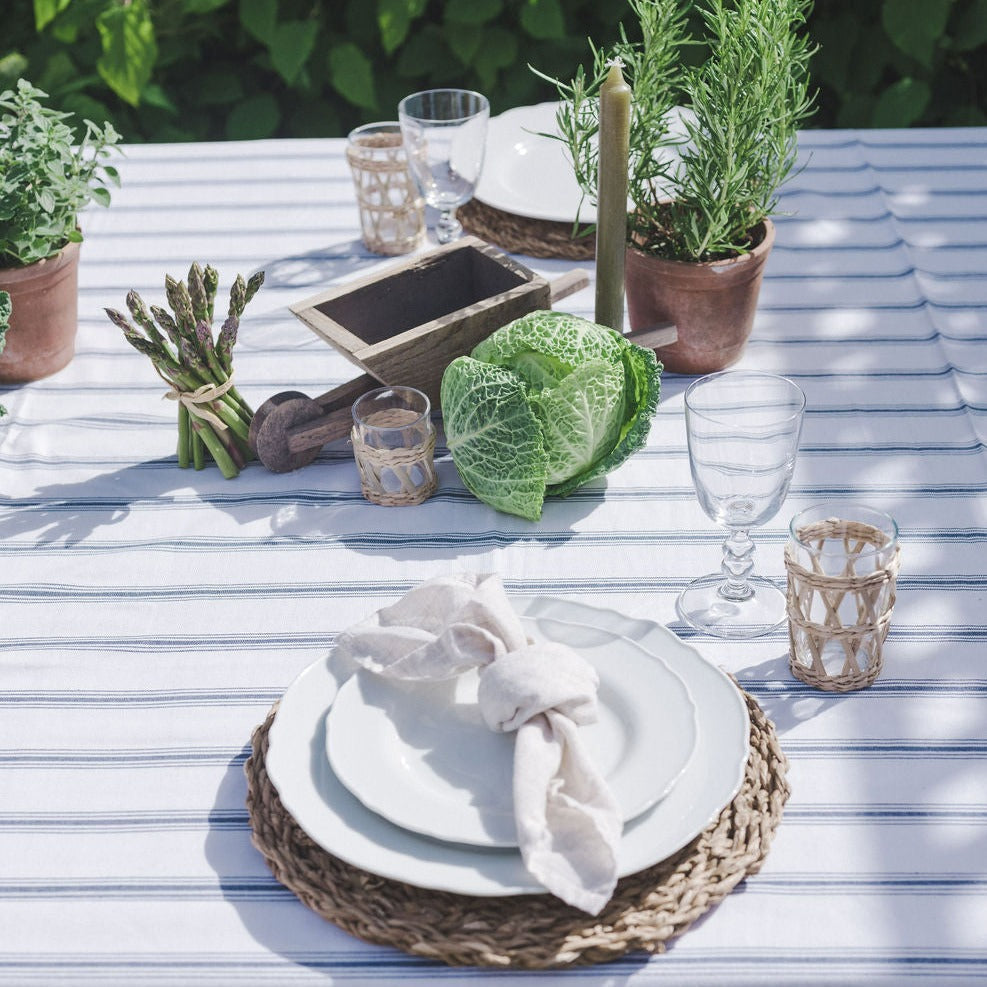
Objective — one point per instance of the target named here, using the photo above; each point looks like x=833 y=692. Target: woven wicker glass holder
x=529 y=931
x=872 y=596
x=413 y=469
x=392 y=211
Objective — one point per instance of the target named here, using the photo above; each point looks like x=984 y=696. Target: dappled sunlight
x=821 y=233
x=911 y=197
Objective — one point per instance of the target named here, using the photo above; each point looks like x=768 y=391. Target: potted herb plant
x=703 y=182
x=4 y=325
x=46 y=178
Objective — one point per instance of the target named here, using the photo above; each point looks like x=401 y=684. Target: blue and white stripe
x=149 y=617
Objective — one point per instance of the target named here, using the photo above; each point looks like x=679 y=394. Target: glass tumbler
x=394 y=443
x=842 y=561
x=392 y=211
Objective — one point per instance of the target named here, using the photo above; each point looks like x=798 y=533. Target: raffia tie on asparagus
x=213 y=418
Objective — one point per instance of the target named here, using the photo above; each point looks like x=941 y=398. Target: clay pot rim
x=763 y=247
x=38 y=268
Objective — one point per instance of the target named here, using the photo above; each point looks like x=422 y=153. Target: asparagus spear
x=184 y=353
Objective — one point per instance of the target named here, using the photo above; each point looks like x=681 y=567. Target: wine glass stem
x=448 y=228
x=737 y=566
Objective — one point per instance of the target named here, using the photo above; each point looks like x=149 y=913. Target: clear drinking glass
x=743 y=429
x=393 y=443
x=445 y=132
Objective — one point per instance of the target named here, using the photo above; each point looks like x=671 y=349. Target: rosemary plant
x=744 y=105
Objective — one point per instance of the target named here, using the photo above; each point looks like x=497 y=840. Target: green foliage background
x=175 y=70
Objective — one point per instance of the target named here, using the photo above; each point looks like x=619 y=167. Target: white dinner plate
x=421 y=755
x=337 y=821
x=530 y=175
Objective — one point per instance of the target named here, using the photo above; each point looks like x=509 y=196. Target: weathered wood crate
x=407 y=325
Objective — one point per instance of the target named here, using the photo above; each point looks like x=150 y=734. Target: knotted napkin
x=568 y=822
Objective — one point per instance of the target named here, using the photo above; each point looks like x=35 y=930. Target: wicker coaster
x=520 y=235
x=529 y=931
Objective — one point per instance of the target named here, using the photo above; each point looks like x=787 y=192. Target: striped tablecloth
x=150 y=616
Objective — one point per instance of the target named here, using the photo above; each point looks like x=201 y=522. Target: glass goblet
x=445 y=132
x=743 y=429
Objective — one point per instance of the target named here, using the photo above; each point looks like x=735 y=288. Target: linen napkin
x=568 y=822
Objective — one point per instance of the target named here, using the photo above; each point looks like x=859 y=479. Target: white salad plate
x=340 y=823
x=527 y=174
x=531 y=175
x=421 y=755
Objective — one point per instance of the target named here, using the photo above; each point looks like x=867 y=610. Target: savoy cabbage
x=545 y=404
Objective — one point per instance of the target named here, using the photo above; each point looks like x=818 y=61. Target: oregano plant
x=46 y=176
x=5 y=309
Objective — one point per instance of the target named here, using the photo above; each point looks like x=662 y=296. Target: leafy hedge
x=173 y=70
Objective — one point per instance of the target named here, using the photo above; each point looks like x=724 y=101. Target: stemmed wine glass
x=445 y=132
x=743 y=429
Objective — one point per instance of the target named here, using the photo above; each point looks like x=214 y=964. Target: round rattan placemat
x=529 y=931
x=520 y=235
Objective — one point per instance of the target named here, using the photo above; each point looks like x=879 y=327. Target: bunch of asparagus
x=213 y=418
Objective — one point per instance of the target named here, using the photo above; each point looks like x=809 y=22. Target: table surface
x=151 y=616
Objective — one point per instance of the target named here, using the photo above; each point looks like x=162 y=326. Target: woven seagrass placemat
x=529 y=931
x=521 y=235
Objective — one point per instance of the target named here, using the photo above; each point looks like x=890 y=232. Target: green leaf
x=352 y=75
x=394 y=19
x=473 y=11
x=220 y=88
x=498 y=51
x=643 y=383
x=154 y=95
x=970 y=30
x=45 y=11
x=916 y=25
x=868 y=64
x=258 y=17
x=254 y=118
x=5 y=309
x=203 y=6
x=424 y=49
x=129 y=49
x=901 y=104
x=13 y=66
x=290 y=46
x=543 y=19
x=496 y=443
x=580 y=417
x=464 y=40
x=60 y=74
x=832 y=61
x=965 y=116
x=101 y=196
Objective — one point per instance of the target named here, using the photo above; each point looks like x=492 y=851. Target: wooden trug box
x=406 y=324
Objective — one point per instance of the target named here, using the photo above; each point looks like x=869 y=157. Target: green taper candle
x=611 y=222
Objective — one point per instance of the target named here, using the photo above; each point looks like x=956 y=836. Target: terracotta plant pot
x=711 y=303
x=45 y=300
